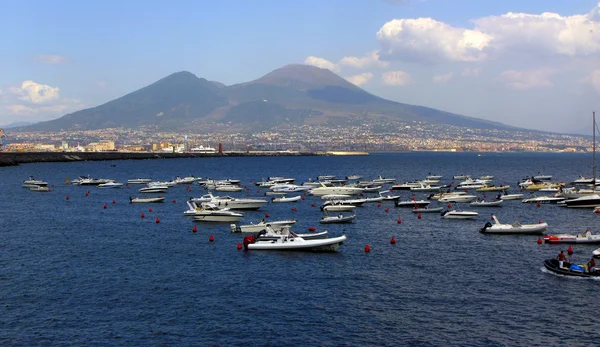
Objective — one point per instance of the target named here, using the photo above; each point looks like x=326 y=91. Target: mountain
x=16 y=125
x=296 y=94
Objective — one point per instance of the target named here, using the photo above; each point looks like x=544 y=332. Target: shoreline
x=17 y=158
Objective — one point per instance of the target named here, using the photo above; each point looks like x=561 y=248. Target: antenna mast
x=594 y=149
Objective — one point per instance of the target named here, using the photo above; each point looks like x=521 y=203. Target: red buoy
x=258 y=191
x=157 y=220
x=387 y=210
x=302 y=198
x=449 y=205
x=313 y=204
x=194 y=229
x=267 y=215
x=540 y=221
x=211 y=238
x=239 y=246
x=142 y=215
x=150 y=209
x=52 y=185
x=67 y=197
x=293 y=209
x=399 y=221
x=570 y=250
x=114 y=201
x=87 y=194
x=419 y=216
x=104 y=206
x=174 y=201
x=539 y=241
x=393 y=241
x=367 y=248
x=539 y=204
x=312 y=229
x=379 y=205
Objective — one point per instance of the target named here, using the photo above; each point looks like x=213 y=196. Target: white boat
x=208 y=212
x=511 y=196
x=387 y=195
x=453 y=199
x=228 y=188
x=586 y=237
x=147 y=200
x=426 y=188
x=353 y=177
x=483 y=203
x=434 y=177
x=286 y=199
x=89 y=181
x=589 y=201
x=383 y=180
x=412 y=203
x=325 y=177
x=543 y=200
x=154 y=189
x=335 y=197
x=514 y=228
x=461 y=177
x=372 y=200
x=110 y=185
x=456 y=214
x=485 y=178
x=427 y=210
x=185 y=180
x=406 y=186
x=139 y=181
x=289 y=241
x=289 y=188
x=230 y=202
x=254 y=228
x=326 y=190
x=340 y=218
x=596 y=253
x=440 y=195
x=41 y=189
x=541 y=177
x=338 y=208
x=32 y=183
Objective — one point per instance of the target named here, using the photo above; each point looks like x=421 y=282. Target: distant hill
x=293 y=94
x=16 y=125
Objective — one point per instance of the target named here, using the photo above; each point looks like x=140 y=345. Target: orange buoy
x=312 y=229
x=399 y=221
x=67 y=197
x=393 y=241
x=211 y=238
x=239 y=246
x=419 y=216
x=539 y=241
x=267 y=215
x=157 y=220
x=194 y=229
x=143 y=215
x=570 y=250
x=367 y=248
x=104 y=206
x=387 y=210
x=150 y=209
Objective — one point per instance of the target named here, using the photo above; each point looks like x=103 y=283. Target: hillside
x=291 y=94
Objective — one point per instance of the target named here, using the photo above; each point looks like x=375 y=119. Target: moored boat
x=286 y=199
x=337 y=219
x=514 y=228
x=289 y=241
x=569 y=269
x=586 y=237
x=254 y=228
x=483 y=203
x=456 y=214
x=146 y=199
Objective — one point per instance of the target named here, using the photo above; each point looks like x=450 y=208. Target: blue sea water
x=74 y=273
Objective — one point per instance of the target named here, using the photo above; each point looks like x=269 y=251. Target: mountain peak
x=304 y=77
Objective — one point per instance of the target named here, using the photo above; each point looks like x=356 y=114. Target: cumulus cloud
x=527 y=79
x=595 y=79
x=50 y=59
x=360 y=79
x=471 y=71
x=426 y=39
x=35 y=93
x=322 y=63
x=369 y=60
x=395 y=78
x=444 y=78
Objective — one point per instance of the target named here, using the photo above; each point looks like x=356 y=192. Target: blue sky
x=469 y=57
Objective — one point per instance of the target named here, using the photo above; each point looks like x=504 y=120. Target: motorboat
x=584 y=201
x=288 y=188
x=583 y=181
x=471 y=185
x=254 y=228
x=32 y=183
x=139 y=181
x=434 y=177
x=461 y=177
x=228 y=188
x=427 y=210
x=493 y=188
x=457 y=214
x=375 y=199
x=387 y=195
x=286 y=199
x=371 y=189
x=543 y=200
x=289 y=241
x=325 y=177
x=483 y=203
x=426 y=188
x=573 y=193
x=185 y=180
x=353 y=202
x=147 y=200
x=230 y=202
x=90 y=181
x=208 y=212
x=326 y=190
x=511 y=196
x=440 y=195
x=42 y=189
x=154 y=189
x=413 y=203
x=547 y=186
x=383 y=180
x=406 y=186
x=110 y=185
x=340 y=218
x=353 y=177
x=541 y=177
x=335 y=197
x=456 y=198
x=485 y=178
x=514 y=228
x=596 y=253
x=586 y=237
x=569 y=269
x=338 y=208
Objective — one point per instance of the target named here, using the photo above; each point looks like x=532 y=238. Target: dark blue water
x=73 y=273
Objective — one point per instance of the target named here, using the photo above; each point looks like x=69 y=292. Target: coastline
x=17 y=158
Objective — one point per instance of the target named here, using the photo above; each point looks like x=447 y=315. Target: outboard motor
x=443 y=212
x=487 y=225
x=248 y=240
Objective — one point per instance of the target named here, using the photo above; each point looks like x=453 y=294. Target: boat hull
x=319 y=245
x=553 y=265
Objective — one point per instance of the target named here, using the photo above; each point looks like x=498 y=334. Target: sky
x=532 y=64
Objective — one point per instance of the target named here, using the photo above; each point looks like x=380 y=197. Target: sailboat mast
x=594 y=149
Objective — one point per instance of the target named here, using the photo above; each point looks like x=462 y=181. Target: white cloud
x=395 y=78
x=36 y=93
x=470 y=72
x=444 y=78
x=595 y=78
x=371 y=59
x=322 y=63
x=428 y=40
x=50 y=59
x=360 y=79
x=100 y=84
x=527 y=79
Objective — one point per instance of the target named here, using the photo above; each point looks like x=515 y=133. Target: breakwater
x=16 y=158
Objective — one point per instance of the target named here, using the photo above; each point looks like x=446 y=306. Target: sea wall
x=16 y=158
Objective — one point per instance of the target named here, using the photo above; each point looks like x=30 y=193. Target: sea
x=79 y=268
